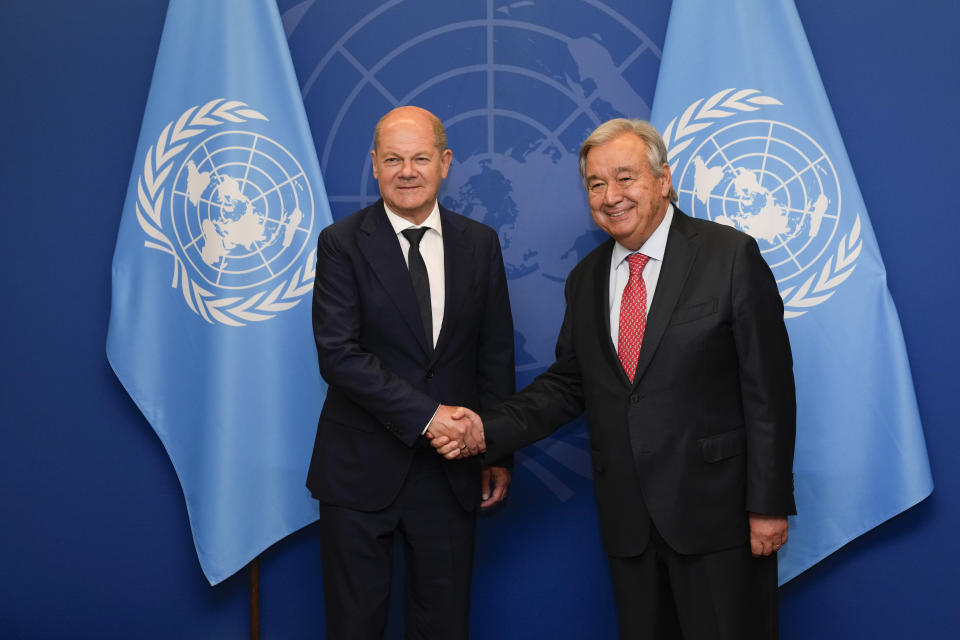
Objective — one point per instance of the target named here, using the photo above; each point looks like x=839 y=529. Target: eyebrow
x=619 y=169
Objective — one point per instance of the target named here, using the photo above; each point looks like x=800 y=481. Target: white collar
x=400 y=224
x=654 y=247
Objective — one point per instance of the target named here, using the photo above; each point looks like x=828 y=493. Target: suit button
x=635 y=398
x=430 y=373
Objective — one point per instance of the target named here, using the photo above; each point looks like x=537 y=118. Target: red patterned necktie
x=633 y=315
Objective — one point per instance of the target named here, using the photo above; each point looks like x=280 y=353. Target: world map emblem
x=234 y=210
x=771 y=180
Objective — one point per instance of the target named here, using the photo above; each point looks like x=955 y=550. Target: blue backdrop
x=94 y=528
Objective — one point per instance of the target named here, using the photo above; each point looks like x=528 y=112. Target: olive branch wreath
x=234 y=311
x=702 y=114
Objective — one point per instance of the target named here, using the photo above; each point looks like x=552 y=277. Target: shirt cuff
x=424 y=432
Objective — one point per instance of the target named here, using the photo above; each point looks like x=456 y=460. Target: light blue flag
x=210 y=325
x=753 y=144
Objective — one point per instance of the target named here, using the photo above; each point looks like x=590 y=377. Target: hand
x=452 y=448
x=455 y=434
x=767 y=533
x=501 y=480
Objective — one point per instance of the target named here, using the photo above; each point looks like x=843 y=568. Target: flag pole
x=255 y=599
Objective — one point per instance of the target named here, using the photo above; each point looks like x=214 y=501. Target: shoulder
x=596 y=259
x=471 y=230
x=347 y=228
x=464 y=224
x=709 y=234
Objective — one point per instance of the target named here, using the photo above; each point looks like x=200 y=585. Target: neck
x=414 y=217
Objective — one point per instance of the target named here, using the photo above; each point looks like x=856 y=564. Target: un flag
x=209 y=331
x=753 y=144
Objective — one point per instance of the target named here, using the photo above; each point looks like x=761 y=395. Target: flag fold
x=210 y=320
x=753 y=143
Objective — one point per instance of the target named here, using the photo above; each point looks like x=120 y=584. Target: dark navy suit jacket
x=384 y=380
x=705 y=433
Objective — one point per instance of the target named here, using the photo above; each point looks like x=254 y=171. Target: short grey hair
x=656 y=150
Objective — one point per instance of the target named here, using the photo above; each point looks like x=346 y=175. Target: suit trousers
x=724 y=595
x=357 y=558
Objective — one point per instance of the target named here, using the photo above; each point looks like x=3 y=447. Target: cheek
x=597 y=218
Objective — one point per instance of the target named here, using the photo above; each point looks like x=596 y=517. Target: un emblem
x=240 y=214
x=772 y=181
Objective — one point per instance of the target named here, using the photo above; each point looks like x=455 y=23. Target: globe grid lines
x=369 y=75
x=703 y=113
x=275 y=179
x=150 y=205
x=797 y=163
x=490 y=113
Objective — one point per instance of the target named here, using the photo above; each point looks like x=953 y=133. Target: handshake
x=456 y=432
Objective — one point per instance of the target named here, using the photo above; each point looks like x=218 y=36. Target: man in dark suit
x=410 y=315
x=691 y=407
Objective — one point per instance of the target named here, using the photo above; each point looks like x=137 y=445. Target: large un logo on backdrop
x=239 y=217
x=519 y=86
x=772 y=181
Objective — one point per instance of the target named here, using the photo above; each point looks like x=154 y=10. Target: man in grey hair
x=674 y=344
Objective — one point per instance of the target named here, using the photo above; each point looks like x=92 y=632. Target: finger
x=451 y=447
x=474 y=442
x=499 y=493
x=439 y=441
x=452 y=455
x=756 y=547
x=473 y=448
x=485 y=485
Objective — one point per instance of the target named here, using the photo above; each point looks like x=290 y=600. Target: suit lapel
x=378 y=242
x=457 y=258
x=601 y=288
x=677 y=260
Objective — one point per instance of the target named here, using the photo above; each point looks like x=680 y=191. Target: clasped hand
x=456 y=432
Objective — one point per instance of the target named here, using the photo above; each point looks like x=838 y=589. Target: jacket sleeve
x=553 y=399
x=766 y=382
x=496 y=368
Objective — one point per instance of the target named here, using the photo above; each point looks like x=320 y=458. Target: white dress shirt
x=620 y=270
x=431 y=248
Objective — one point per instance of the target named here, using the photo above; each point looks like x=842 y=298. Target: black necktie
x=421 y=282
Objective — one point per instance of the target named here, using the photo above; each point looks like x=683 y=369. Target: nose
x=408 y=170
x=612 y=194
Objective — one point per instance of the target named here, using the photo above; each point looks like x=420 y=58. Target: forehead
x=407 y=134
x=626 y=151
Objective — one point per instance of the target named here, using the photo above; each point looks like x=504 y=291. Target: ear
x=445 y=158
x=373 y=157
x=665 y=180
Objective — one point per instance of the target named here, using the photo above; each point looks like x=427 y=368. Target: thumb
x=485 y=484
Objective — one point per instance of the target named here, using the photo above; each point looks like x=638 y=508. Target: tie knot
x=414 y=236
x=637 y=262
